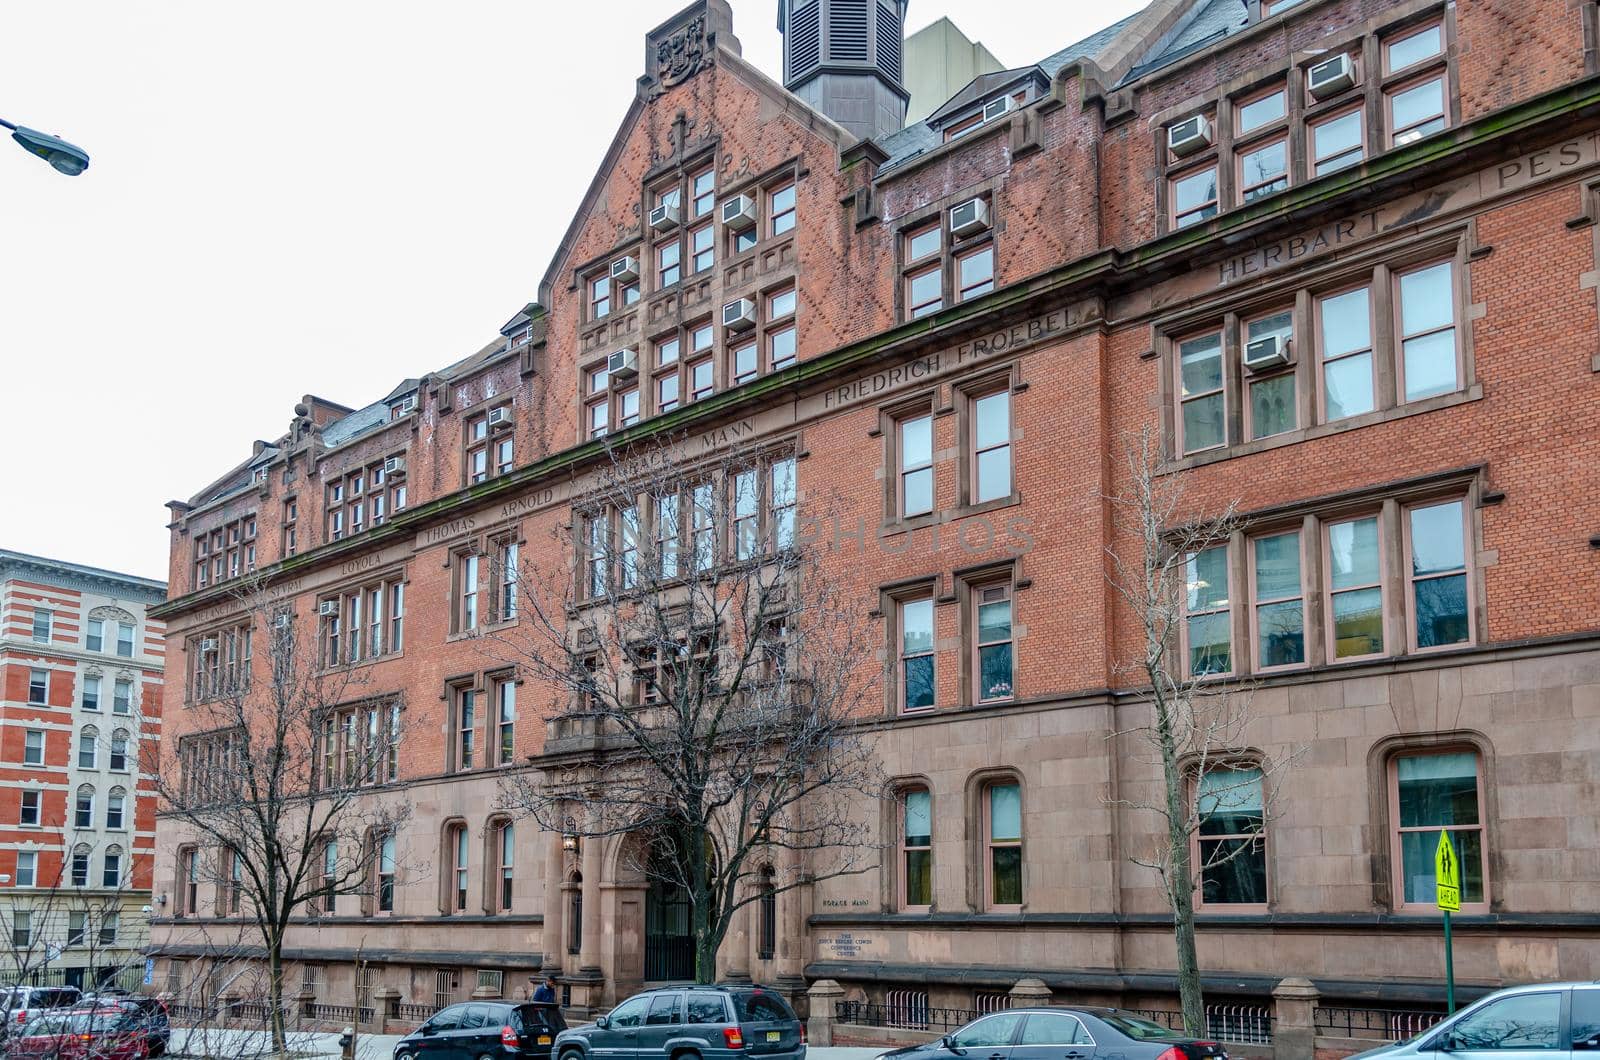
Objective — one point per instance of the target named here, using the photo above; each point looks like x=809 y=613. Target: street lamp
x=66 y=158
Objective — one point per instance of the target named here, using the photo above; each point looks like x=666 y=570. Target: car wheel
x=572 y=1054
x=686 y=1054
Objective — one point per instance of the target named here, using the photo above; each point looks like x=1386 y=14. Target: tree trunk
x=1180 y=877
x=280 y=1030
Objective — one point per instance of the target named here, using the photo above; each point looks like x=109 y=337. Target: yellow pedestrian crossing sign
x=1447 y=875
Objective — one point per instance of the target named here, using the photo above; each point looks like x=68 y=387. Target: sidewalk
x=207 y=1044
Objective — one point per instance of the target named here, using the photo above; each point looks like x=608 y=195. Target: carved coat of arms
x=679 y=56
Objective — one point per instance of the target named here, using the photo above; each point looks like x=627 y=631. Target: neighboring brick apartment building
x=80 y=693
x=1357 y=297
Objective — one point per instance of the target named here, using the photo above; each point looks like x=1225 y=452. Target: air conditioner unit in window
x=328 y=609
x=1190 y=135
x=283 y=621
x=1269 y=351
x=996 y=108
x=500 y=417
x=395 y=467
x=663 y=217
x=739 y=315
x=622 y=363
x=968 y=218
x=1331 y=76
x=739 y=213
x=406 y=405
x=209 y=644
x=625 y=269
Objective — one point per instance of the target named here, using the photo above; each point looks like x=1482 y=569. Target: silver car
x=1547 y=1021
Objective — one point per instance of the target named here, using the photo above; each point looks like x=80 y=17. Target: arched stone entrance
x=668 y=932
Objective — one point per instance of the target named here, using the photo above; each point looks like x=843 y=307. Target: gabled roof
x=1207 y=22
x=981 y=88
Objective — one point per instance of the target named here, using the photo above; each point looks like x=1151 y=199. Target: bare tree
x=279 y=785
x=707 y=681
x=1196 y=727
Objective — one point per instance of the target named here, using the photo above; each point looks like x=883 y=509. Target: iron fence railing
x=409 y=1011
x=1392 y=1025
x=908 y=1012
x=1240 y=1024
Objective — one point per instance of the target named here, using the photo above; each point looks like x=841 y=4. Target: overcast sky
x=289 y=197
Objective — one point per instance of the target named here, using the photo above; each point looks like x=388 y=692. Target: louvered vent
x=848 y=31
x=889 y=43
x=805 y=41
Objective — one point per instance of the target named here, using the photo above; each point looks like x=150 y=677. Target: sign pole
x=1449 y=969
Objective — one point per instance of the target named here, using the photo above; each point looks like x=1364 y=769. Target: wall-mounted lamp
x=569 y=842
x=161 y=899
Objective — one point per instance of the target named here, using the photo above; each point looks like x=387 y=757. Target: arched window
x=767 y=929
x=83 y=807
x=111 y=875
x=116 y=809
x=386 y=861
x=119 y=751
x=507 y=846
x=80 y=865
x=88 y=747
x=457 y=848
x=1002 y=832
x=235 y=881
x=1434 y=792
x=575 y=914
x=916 y=848
x=1228 y=849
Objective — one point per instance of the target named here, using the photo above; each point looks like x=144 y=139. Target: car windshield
x=542 y=1018
x=43 y=1026
x=1138 y=1029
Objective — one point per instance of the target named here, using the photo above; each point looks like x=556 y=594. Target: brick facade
x=1094 y=296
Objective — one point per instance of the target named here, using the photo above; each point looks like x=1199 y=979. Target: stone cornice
x=1470 y=145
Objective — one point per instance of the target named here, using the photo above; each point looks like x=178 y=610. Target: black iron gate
x=668 y=935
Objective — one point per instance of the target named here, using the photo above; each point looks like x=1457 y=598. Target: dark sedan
x=1062 y=1034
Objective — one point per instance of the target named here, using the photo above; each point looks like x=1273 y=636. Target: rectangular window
x=746 y=514
x=745 y=363
x=1206 y=612
x=1428 y=363
x=781 y=209
x=397 y=615
x=386 y=864
x=923 y=243
x=1433 y=794
x=1202 y=404
x=1403 y=52
x=1194 y=197
x=79 y=870
x=1003 y=819
x=27 y=868
x=1271 y=408
x=41 y=624
x=115 y=806
x=703 y=192
x=1337 y=143
x=991 y=447
x=1263 y=169
x=916 y=849
x=467 y=592
x=1231 y=838
x=667 y=529
x=780 y=347
x=1262 y=110
x=628 y=541
x=783 y=501
x=507 y=865
x=91 y=693
x=703 y=248
x=925 y=291
x=599 y=297
x=33 y=748
x=119 y=753
x=1415 y=111
x=993 y=642
x=974 y=273
x=1345 y=333
x=83 y=810
x=38 y=686
x=916 y=654
x=1279 y=601
x=506 y=575
x=628 y=407
x=29 y=814
x=466 y=720
x=506 y=720
x=599 y=418
x=669 y=258
x=461 y=849
x=125 y=640
x=667 y=390
x=701 y=383
x=94 y=637
x=76 y=921
x=703 y=517
x=1436 y=568
x=916 y=465
x=111 y=869
x=108 y=928
x=1355 y=629
x=22 y=925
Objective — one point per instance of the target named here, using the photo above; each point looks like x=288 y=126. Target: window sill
x=948 y=515
x=353 y=666
x=1321 y=430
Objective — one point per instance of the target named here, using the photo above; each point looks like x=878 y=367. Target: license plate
x=544 y=1039
x=773 y=1036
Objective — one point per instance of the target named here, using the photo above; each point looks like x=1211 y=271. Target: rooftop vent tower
x=843 y=57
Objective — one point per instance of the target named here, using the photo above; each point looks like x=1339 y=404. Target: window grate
x=491 y=979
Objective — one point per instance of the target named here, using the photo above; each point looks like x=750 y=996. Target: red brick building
x=1340 y=256
x=80 y=701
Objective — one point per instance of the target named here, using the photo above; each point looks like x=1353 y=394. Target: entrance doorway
x=668 y=935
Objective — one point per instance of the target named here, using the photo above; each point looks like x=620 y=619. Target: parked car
x=149 y=1014
x=709 y=1022
x=100 y=1033
x=479 y=1029
x=1062 y=1034
x=18 y=1004
x=1544 y=1019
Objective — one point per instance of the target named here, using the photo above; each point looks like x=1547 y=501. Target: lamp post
x=66 y=158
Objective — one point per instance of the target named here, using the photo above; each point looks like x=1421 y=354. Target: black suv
x=478 y=1029
x=691 y=1023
